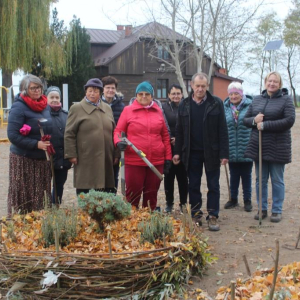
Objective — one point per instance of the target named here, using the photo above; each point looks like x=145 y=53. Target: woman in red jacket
x=144 y=125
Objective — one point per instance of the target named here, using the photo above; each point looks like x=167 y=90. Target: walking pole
x=122 y=167
x=227 y=179
x=260 y=175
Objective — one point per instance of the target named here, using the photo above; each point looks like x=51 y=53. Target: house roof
x=102 y=36
x=224 y=76
x=122 y=42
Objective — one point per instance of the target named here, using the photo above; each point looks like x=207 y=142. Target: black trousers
x=180 y=173
x=60 y=179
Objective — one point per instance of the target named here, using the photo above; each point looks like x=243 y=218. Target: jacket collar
x=137 y=106
x=88 y=108
x=279 y=93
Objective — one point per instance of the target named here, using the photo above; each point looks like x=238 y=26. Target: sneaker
x=168 y=209
x=263 y=215
x=213 y=224
x=247 y=206
x=275 y=218
x=231 y=204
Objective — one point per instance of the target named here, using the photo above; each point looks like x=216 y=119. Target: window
x=162 y=52
x=162 y=88
x=188 y=86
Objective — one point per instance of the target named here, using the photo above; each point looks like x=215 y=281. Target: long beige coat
x=89 y=138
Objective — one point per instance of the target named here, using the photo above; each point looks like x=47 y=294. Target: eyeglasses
x=35 y=88
x=144 y=94
x=175 y=94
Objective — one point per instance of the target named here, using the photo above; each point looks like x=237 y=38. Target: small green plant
x=104 y=207
x=63 y=221
x=156 y=227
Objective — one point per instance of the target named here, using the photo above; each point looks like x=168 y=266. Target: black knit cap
x=94 y=82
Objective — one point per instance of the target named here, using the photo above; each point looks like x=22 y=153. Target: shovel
x=260 y=176
x=142 y=155
x=122 y=169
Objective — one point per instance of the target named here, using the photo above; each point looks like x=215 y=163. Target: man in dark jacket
x=202 y=139
x=115 y=101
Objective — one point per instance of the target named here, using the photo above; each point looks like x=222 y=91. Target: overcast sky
x=106 y=14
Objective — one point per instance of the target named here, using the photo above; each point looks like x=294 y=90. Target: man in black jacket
x=202 y=139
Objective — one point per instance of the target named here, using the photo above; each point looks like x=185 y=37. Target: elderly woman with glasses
x=144 y=125
x=29 y=170
x=89 y=141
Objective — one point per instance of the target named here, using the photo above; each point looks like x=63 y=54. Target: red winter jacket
x=146 y=129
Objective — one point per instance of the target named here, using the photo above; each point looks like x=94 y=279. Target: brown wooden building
x=125 y=54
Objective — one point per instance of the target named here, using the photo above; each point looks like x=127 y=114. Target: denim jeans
x=195 y=171
x=276 y=172
x=241 y=170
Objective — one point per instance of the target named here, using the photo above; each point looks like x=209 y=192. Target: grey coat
x=279 y=117
x=89 y=138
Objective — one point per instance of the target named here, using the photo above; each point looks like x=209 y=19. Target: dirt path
x=235 y=238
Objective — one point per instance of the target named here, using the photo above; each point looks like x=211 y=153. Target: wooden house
x=134 y=54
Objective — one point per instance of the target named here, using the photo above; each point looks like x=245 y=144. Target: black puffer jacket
x=279 y=117
x=59 y=120
x=215 y=135
x=19 y=115
x=170 y=110
x=117 y=106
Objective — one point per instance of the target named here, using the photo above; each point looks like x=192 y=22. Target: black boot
x=231 y=204
x=247 y=205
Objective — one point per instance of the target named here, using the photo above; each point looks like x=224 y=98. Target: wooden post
x=247 y=265
x=275 y=272
x=232 y=289
x=109 y=244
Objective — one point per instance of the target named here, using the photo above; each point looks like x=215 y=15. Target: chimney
x=223 y=71
x=128 y=30
x=120 y=27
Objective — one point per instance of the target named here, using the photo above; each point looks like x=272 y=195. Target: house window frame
x=162 y=52
x=162 y=85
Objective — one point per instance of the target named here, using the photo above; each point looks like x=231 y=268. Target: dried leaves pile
x=258 y=287
x=125 y=236
x=86 y=269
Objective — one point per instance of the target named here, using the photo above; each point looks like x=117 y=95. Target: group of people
x=178 y=138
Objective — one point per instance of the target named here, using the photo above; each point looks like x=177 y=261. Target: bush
x=156 y=227
x=104 y=207
x=63 y=221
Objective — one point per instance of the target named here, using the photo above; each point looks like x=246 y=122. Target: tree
x=292 y=42
x=259 y=61
x=25 y=35
x=81 y=65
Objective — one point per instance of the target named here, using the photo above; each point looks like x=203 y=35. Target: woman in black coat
x=59 y=120
x=273 y=113
x=29 y=170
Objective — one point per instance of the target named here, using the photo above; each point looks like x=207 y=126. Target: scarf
x=236 y=109
x=90 y=102
x=55 y=107
x=38 y=105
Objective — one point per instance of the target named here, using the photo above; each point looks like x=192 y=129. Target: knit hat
x=53 y=89
x=94 y=82
x=145 y=86
x=236 y=87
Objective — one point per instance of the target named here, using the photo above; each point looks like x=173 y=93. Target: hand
x=224 y=161
x=167 y=166
x=116 y=161
x=259 y=118
x=43 y=145
x=73 y=160
x=260 y=126
x=173 y=141
x=122 y=145
x=176 y=159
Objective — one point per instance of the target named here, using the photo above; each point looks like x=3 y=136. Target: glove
x=122 y=145
x=167 y=166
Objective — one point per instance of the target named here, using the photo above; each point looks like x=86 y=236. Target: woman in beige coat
x=89 y=141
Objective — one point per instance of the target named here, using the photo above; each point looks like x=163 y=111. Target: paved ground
x=236 y=236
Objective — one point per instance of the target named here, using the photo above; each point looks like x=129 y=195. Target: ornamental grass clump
x=104 y=207
x=157 y=226
x=63 y=222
